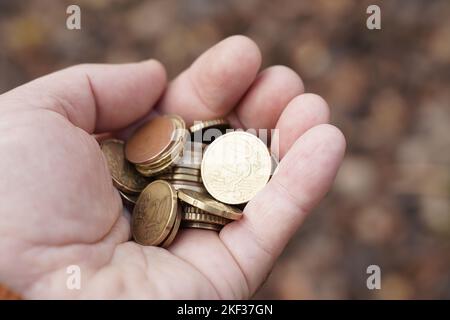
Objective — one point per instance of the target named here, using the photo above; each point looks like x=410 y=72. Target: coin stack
x=185 y=172
x=172 y=182
x=157 y=145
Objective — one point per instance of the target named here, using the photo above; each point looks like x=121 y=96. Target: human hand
x=59 y=207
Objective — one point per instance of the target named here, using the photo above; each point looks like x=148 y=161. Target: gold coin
x=235 y=167
x=208 y=204
x=208 y=124
x=201 y=225
x=154 y=214
x=173 y=233
x=129 y=198
x=205 y=218
x=124 y=175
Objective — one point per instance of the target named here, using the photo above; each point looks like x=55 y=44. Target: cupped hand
x=59 y=208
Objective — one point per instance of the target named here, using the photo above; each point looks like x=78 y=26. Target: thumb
x=94 y=97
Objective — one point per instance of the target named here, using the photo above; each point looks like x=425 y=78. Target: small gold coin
x=201 y=225
x=154 y=214
x=124 y=175
x=235 y=167
x=204 y=217
x=208 y=204
x=168 y=241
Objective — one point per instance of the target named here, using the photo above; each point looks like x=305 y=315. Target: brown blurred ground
x=388 y=91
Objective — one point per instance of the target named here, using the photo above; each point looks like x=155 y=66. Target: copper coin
x=151 y=140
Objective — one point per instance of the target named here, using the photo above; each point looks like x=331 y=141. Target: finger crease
x=282 y=189
x=200 y=97
x=244 y=275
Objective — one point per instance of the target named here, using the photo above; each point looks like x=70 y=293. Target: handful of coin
x=177 y=178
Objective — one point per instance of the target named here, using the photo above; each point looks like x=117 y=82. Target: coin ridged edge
x=233 y=213
x=204 y=217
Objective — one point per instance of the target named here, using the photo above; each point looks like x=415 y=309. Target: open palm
x=59 y=207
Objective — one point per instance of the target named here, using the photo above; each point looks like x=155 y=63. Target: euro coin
x=154 y=214
x=208 y=204
x=235 y=167
x=124 y=175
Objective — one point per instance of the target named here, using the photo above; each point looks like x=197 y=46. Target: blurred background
x=390 y=205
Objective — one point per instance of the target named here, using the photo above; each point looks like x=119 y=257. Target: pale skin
x=59 y=207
